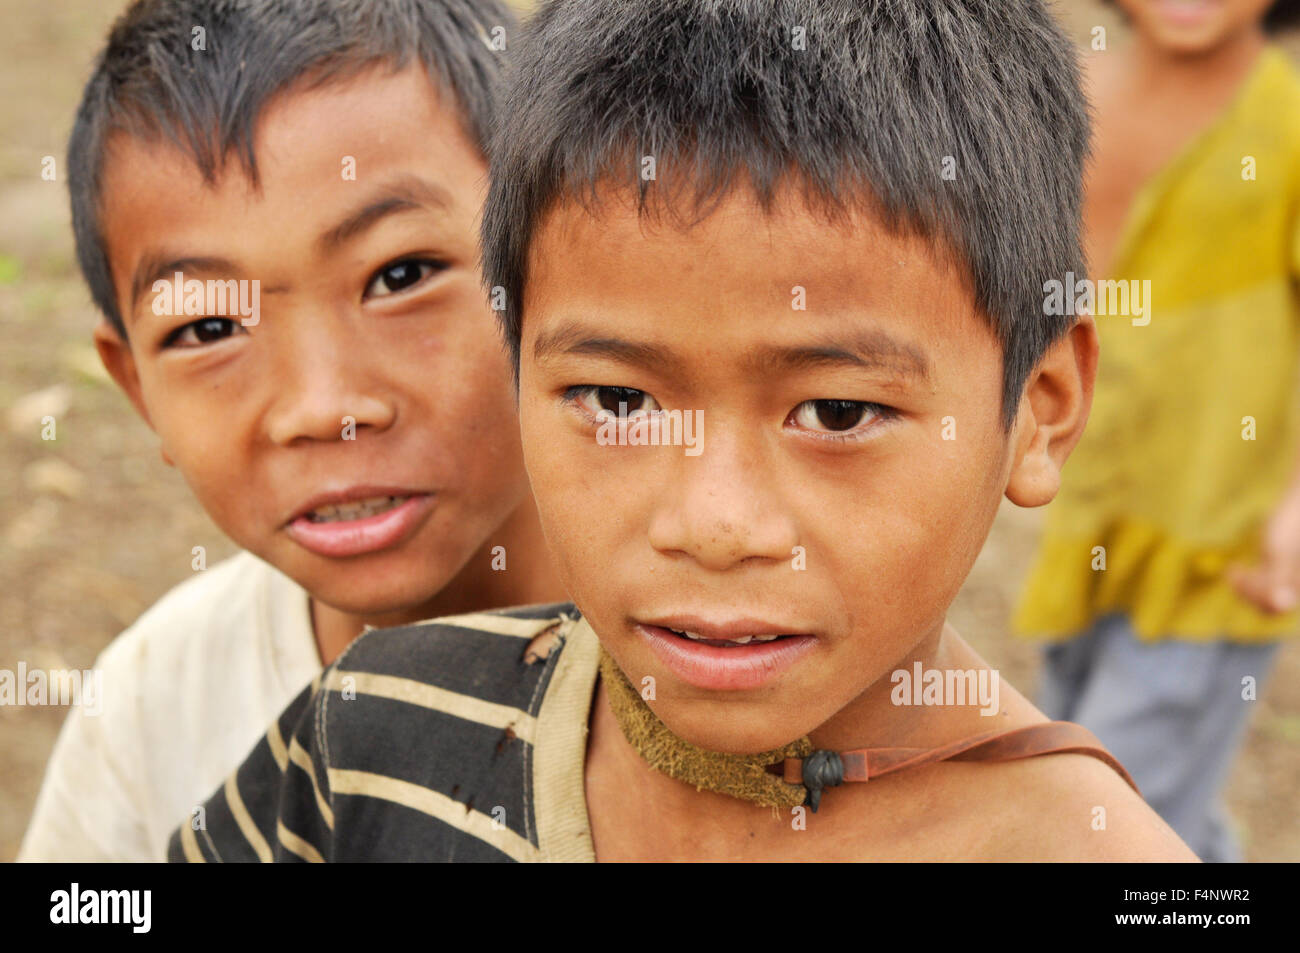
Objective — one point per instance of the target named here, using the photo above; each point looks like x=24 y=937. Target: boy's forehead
x=756 y=277
x=319 y=151
x=379 y=113
x=321 y=136
x=736 y=243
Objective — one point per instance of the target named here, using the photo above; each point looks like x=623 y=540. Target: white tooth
x=361 y=509
x=744 y=640
x=692 y=635
x=765 y=638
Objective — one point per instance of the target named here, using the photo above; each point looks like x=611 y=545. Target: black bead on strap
x=821 y=769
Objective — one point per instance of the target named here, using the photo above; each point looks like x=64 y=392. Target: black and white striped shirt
x=432 y=742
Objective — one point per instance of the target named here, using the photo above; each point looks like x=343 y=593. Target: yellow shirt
x=1192 y=438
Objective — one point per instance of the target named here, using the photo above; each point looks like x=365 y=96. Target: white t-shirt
x=188 y=690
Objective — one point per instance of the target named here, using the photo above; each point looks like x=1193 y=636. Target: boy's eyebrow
x=575 y=339
x=404 y=194
x=872 y=349
x=161 y=265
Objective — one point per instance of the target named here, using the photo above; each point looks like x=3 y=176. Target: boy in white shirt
x=297 y=312
x=118 y=780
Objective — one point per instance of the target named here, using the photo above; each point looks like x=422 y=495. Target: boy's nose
x=724 y=509
x=326 y=393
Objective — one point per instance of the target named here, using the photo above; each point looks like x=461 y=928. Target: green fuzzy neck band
x=741 y=776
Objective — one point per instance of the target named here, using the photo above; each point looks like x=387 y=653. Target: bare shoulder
x=1072 y=807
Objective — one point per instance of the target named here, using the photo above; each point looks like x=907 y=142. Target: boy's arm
x=275 y=806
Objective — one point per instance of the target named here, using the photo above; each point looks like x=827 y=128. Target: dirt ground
x=94 y=527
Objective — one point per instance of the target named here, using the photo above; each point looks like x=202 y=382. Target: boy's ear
x=1053 y=411
x=115 y=354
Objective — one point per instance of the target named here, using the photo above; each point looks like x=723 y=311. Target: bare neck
x=528 y=578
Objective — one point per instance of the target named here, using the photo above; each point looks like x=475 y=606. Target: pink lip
x=717 y=668
x=357 y=537
x=1182 y=15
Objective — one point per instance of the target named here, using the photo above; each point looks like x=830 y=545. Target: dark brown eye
x=612 y=401
x=202 y=331
x=213 y=329
x=616 y=399
x=840 y=414
x=399 y=276
x=834 y=416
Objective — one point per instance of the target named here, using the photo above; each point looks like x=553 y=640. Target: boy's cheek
x=226 y=490
x=211 y=458
x=895 y=583
x=576 y=521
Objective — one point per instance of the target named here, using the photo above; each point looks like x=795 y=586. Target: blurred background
x=94 y=527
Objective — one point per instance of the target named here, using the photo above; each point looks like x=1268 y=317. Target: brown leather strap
x=1056 y=737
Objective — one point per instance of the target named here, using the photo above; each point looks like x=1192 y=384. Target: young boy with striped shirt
x=823 y=226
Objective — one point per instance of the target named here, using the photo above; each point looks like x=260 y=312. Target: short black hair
x=862 y=102
x=1283 y=15
x=150 y=82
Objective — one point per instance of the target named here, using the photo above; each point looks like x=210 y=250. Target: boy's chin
x=1190 y=42
x=379 y=610
x=384 y=601
x=1190 y=48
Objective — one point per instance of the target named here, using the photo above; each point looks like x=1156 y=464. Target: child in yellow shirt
x=1170 y=563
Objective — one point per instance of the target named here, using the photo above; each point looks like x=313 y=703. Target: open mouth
x=725 y=643
x=371 y=521
x=751 y=655
x=359 y=510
